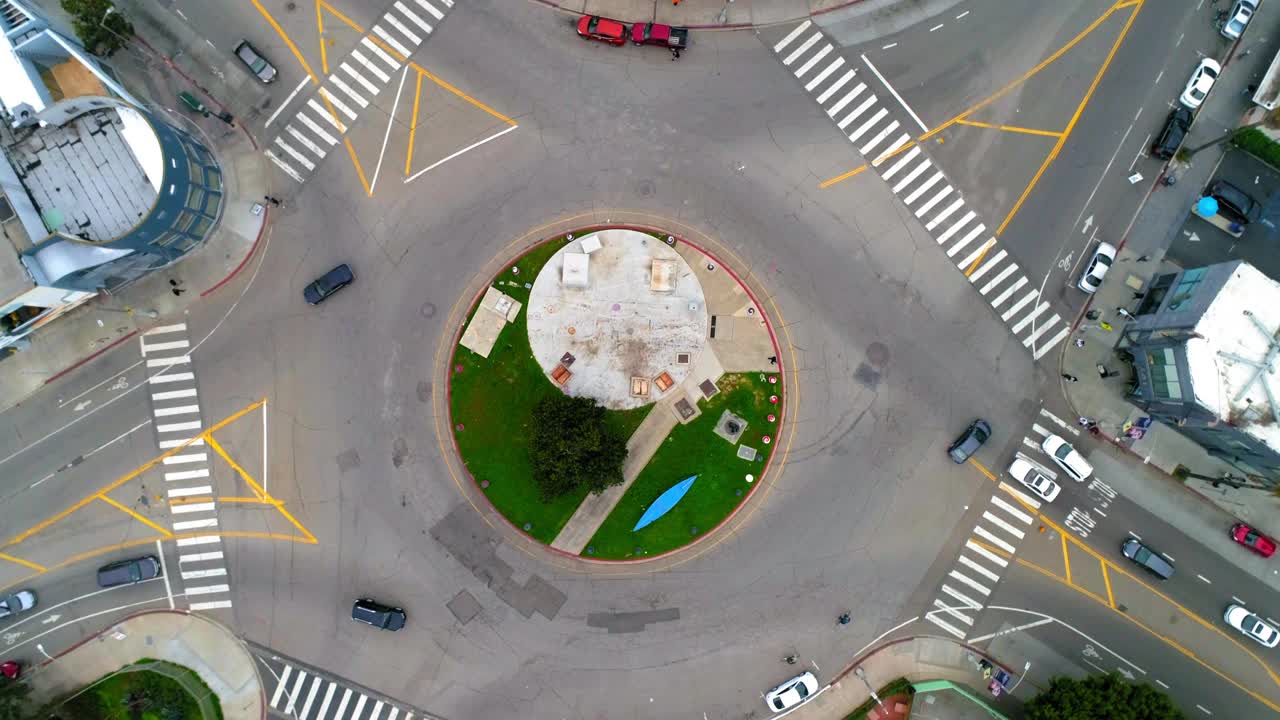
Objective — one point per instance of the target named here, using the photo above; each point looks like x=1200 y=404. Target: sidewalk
x=194 y=641
x=920 y=660
x=891 y=15
x=110 y=320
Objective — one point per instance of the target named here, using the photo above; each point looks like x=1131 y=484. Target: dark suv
x=128 y=572
x=969 y=441
x=1170 y=138
x=383 y=617
x=1149 y=559
x=1234 y=204
x=328 y=284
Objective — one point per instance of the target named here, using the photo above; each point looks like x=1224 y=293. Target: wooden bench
x=561 y=375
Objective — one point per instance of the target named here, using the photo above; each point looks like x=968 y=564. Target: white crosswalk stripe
x=875 y=120
x=933 y=618
x=307 y=694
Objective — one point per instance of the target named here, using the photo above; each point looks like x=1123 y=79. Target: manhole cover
x=878 y=354
x=645 y=188
x=428 y=310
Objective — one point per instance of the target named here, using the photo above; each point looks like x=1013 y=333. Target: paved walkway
x=887 y=15
x=193 y=641
x=104 y=322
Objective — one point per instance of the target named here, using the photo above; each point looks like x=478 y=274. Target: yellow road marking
x=287 y=41
x=1106 y=577
x=266 y=496
x=189 y=500
x=339 y=15
x=324 y=54
x=1097 y=78
x=1169 y=641
x=359 y=171
x=828 y=183
x=136 y=516
x=982 y=469
x=20 y=561
x=247 y=500
x=217 y=447
x=990 y=548
x=1066 y=561
x=413 y=126
x=1010 y=128
x=978 y=260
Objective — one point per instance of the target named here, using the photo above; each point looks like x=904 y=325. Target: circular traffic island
x=615 y=393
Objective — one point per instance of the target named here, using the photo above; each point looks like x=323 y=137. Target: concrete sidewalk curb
x=558 y=6
x=157 y=651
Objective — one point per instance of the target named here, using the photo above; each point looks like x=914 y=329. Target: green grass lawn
x=140 y=695
x=494 y=398
x=693 y=449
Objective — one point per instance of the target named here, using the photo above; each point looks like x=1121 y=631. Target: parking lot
x=1197 y=243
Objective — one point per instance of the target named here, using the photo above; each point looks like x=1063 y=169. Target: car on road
x=1150 y=560
x=1034 y=480
x=1254 y=540
x=792 y=692
x=594 y=27
x=1200 y=82
x=978 y=432
x=14 y=603
x=1234 y=204
x=383 y=617
x=329 y=283
x=1238 y=19
x=661 y=35
x=1067 y=457
x=258 y=65
x=1103 y=258
x=129 y=572
x=1251 y=625
x=1171 y=135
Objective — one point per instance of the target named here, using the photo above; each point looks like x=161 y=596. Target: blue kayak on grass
x=665 y=502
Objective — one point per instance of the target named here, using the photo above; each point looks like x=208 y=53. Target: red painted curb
x=266 y=218
x=104 y=631
x=93 y=356
x=552 y=4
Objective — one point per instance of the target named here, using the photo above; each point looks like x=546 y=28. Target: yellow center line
x=1066 y=561
x=301 y=60
x=828 y=183
x=1106 y=577
x=982 y=469
x=1010 y=128
x=245 y=500
x=413 y=126
x=136 y=516
x=324 y=55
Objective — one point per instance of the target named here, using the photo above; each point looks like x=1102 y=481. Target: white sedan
x=20 y=601
x=1201 y=81
x=1251 y=625
x=1097 y=268
x=792 y=692
x=1034 y=480
x=1067 y=457
x=1241 y=13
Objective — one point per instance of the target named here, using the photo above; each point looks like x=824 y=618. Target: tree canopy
x=100 y=33
x=1101 y=696
x=573 y=447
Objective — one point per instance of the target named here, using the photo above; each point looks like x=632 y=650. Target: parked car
x=1172 y=134
x=1240 y=15
x=1150 y=560
x=1254 y=540
x=258 y=65
x=11 y=669
x=659 y=34
x=1251 y=625
x=1034 y=480
x=594 y=27
x=1200 y=82
x=1067 y=458
x=792 y=692
x=1234 y=204
x=14 y=603
x=383 y=617
x=969 y=441
x=329 y=283
x=128 y=572
x=1103 y=258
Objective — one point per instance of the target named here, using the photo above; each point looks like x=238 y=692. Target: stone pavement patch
x=464 y=606
x=629 y=622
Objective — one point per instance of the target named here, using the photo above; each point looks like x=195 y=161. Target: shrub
x=100 y=33
x=573 y=447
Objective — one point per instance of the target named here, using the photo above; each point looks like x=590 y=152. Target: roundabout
x=670 y=344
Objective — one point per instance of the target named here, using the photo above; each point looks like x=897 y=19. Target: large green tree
x=13 y=700
x=1101 y=696
x=100 y=33
x=573 y=447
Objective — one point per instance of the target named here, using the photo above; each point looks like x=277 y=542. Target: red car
x=594 y=27
x=659 y=34
x=1254 y=540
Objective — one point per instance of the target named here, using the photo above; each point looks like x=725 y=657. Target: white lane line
x=1025 y=518
x=186 y=475
x=176 y=410
x=797 y=32
x=386 y=37
x=970 y=582
x=370 y=66
x=924 y=209
x=1168 y=557
x=921 y=189
x=826 y=73
x=1010 y=631
x=968 y=601
x=390 y=119
x=178 y=427
x=466 y=149
x=199 y=540
x=166 y=444
x=811 y=62
x=1238 y=600
x=912 y=176
x=190 y=491
x=872 y=122
x=173 y=394
x=943 y=607
x=964 y=560
x=284 y=679
x=1135 y=536
x=895 y=94
x=961 y=15
x=849 y=96
x=1203 y=709
x=165 y=362
x=200 y=557
x=191 y=524
x=945 y=626
x=1022 y=280
x=936 y=27
x=804 y=48
x=831 y=89
x=998 y=542
x=287 y=100
x=1205 y=579
x=186 y=508
x=1073 y=629
x=162 y=346
x=212 y=605
x=977 y=253
x=946 y=213
x=1061 y=423
x=197 y=574
x=208 y=589
x=889 y=46
x=1163 y=685
x=177 y=327
x=986 y=553
x=164 y=572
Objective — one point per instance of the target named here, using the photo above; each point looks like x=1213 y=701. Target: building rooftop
x=1235 y=336
x=95 y=177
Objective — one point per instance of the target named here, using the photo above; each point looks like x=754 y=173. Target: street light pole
x=862 y=675
x=1025 y=668
x=44 y=652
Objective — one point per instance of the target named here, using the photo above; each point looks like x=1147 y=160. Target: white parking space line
x=970 y=582
x=964 y=560
x=983 y=533
x=1025 y=518
x=986 y=553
